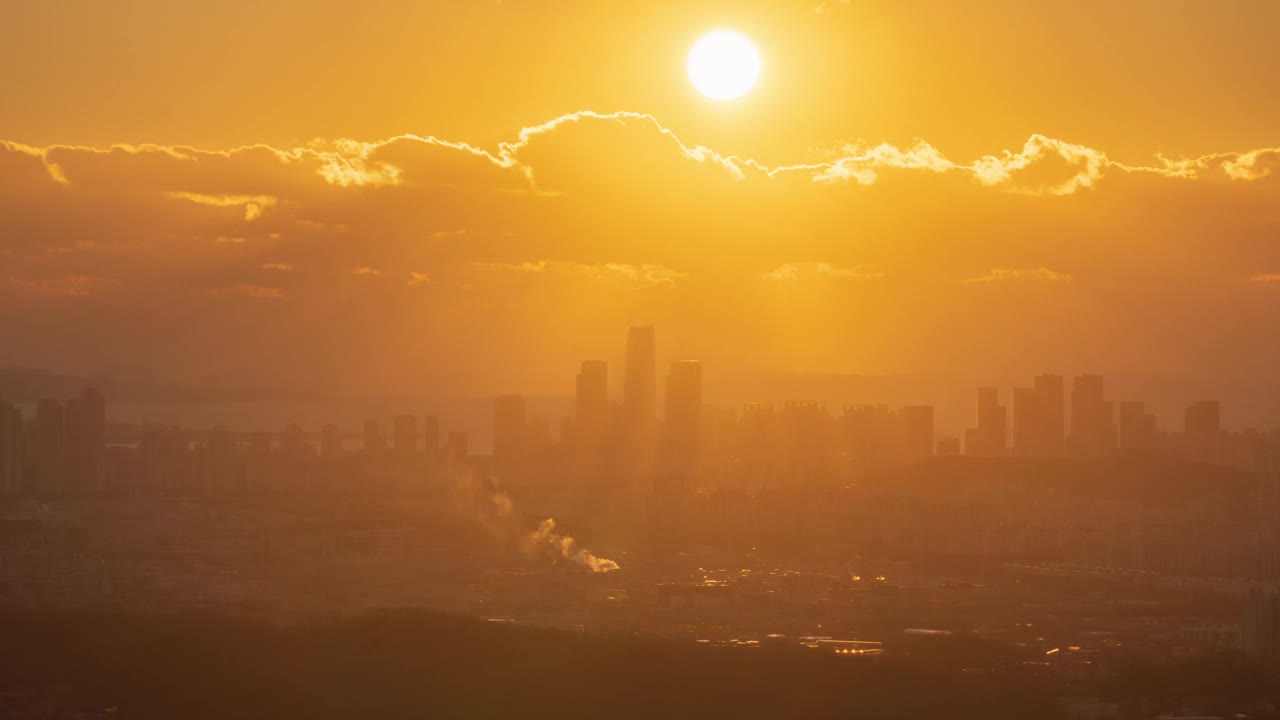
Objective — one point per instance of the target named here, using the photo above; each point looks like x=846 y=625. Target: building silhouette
x=404 y=435
x=48 y=446
x=917 y=432
x=1135 y=427
x=1260 y=625
x=1038 y=419
x=990 y=437
x=682 y=419
x=373 y=440
x=1049 y=390
x=431 y=436
x=1093 y=430
x=1203 y=418
x=640 y=392
x=591 y=401
x=456 y=447
x=588 y=432
x=11 y=449
x=330 y=442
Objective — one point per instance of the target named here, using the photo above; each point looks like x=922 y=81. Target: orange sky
x=989 y=188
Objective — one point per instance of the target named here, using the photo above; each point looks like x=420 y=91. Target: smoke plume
x=493 y=508
x=547 y=537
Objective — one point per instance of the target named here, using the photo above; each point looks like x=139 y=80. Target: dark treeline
x=421 y=664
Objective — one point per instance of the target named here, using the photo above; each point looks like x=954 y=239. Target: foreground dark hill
x=414 y=664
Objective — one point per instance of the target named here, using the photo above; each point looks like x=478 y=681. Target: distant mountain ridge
x=28 y=385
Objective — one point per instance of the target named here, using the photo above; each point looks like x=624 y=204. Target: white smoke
x=493 y=508
x=546 y=536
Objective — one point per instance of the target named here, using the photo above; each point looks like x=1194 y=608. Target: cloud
x=641 y=275
x=347 y=164
x=252 y=292
x=1017 y=170
x=253 y=205
x=593 y=220
x=60 y=286
x=795 y=271
x=826 y=5
x=1007 y=274
x=860 y=163
x=52 y=169
x=1266 y=278
x=1252 y=165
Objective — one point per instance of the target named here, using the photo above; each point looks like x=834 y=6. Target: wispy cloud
x=798 y=270
x=641 y=274
x=1042 y=165
x=252 y=292
x=1005 y=274
x=60 y=286
x=253 y=205
x=826 y=5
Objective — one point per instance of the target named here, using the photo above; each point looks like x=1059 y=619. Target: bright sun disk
x=723 y=65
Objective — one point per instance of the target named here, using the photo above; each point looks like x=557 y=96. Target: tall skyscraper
x=639 y=392
x=330 y=442
x=1136 y=428
x=683 y=416
x=11 y=448
x=1260 y=625
x=293 y=444
x=592 y=398
x=1202 y=431
x=404 y=434
x=1038 y=418
x=1026 y=422
x=84 y=422
x=990 y=437
x=1203 y=418
x=509 y=430
x=373 y=439
x=1093 y=431
x=1051 y=400
x=48 y=446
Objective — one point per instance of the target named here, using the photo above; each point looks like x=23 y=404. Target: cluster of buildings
x=676 y=445
x=62 y=449
x=1042 y=424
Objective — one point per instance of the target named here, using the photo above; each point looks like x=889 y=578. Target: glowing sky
x=476 y=195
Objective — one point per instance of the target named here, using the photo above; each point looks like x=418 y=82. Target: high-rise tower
x=640 y=389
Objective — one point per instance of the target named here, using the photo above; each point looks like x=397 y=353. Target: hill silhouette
x=420 y=664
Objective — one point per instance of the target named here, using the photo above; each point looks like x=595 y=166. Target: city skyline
x=869 y=230
x=61 y=448
x=640 y=359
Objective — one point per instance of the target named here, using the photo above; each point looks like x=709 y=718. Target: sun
x=723 y=65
